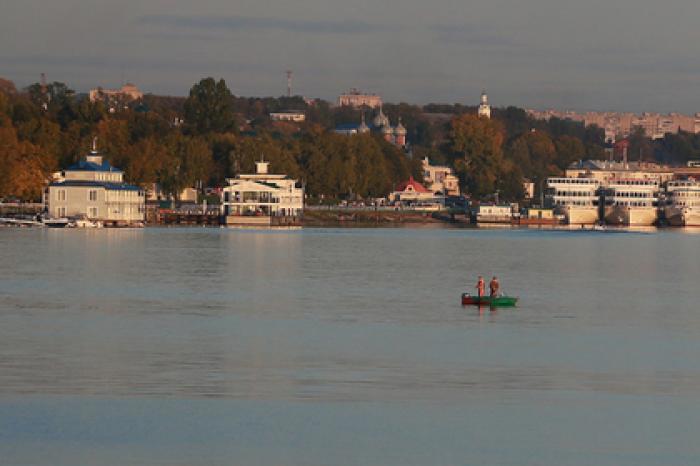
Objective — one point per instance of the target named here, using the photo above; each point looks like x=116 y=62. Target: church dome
x=363 y=128
x=400 y=128
x=380 y=120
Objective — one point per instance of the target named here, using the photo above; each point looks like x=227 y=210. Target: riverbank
x=335 y=217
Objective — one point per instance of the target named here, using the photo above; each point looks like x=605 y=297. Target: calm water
x=347 y=347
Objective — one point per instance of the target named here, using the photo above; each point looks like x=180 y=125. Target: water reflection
x=350 y=315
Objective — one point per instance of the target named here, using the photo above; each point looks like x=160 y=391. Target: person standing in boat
x=481 y=286
x=494 y=286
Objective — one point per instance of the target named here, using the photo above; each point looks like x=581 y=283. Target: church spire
x=484 y=107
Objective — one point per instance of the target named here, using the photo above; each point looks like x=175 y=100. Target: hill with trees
x=201 y=139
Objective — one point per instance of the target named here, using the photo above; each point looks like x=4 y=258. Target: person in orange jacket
x=494 y=286
x=481 y=286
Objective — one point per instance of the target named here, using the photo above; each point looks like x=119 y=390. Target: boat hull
x=682 y=217
x=579 y=215
x=498 y=301
x=632 y=216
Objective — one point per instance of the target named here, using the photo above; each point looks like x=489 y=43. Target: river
x=198 y=346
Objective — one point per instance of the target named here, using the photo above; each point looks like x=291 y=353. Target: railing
x=412 y=208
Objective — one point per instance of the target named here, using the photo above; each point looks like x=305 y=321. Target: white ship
x=575 y=198
x=683 y=203
x=631 y=202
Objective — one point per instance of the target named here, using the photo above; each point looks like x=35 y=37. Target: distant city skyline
x=615 y=55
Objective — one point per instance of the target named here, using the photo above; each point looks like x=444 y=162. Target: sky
x=605 y=55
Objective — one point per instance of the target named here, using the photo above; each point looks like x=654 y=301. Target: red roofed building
x=412 y=185
x=412 y=191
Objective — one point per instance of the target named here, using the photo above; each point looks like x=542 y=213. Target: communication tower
x=289 y=83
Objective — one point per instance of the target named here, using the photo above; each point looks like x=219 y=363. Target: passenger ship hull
x=632 y=216
x=682 y=217
x=579 y=215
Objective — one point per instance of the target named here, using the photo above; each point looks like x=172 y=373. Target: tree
x=7 y=87
x=477 y=147
x=534 y=152
x=194 y=156
x=510 y=184
x=208 y=109
x=569 y=149
x=678 y=148
x=640 y=145
x=23 y=169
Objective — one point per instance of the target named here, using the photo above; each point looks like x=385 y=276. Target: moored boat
x=57 y=222
x=683 y=203
x=630 y=201
x=495 y=301
x=574 y=198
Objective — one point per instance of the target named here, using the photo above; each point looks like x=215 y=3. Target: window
x=92 y=212
x=92 y=195
x=62 y=211
x=61 y=194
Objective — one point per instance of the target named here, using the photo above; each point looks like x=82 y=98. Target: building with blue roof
x=94 y=189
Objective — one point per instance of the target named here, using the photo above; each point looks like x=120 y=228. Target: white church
x=484 y=106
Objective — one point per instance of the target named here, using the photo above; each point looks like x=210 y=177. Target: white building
x=356 y=98
x=440 y=179
x=484 y=107
x=528 y=189
x=258 y=198
x=488 y=213
x=116 y=98
x=296 y=117
x=94 y=189
x=154 y=193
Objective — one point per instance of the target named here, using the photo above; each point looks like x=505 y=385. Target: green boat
x=498 y=301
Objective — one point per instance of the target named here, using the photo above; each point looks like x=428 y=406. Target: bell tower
x=484 y=107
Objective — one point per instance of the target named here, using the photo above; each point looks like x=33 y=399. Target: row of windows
x=634 y=183
x=575 y=203
x=572 y=181
x=61 y=195
x=107 y=177
x=92 y=194
x=124 y=193
x=633 y=204
x=693 y=194
x=688 y=204
x=94 y=211
x=635 y=194
x=128 y=209
x=575 y=194
x=250 y=196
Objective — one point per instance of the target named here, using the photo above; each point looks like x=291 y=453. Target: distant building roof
x=84 y=165
x=96 y=184
x=416 y=186
x=347 y=126
x=594 y=165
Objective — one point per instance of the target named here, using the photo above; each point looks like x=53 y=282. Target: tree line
x=210 y=135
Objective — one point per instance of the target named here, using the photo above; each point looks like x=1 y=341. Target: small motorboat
x=57 y=223
x=84 y=222
x=496 y=301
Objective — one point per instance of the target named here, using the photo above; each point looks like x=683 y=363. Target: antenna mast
x=44 y=92
x=289 y=82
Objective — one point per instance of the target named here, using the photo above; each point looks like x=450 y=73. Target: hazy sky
x=631 y=55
